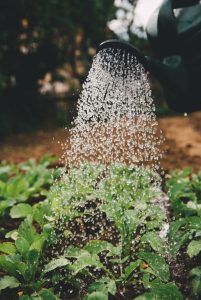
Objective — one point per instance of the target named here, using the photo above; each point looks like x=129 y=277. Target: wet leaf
x=56 y=263
x=157 y=264
x=155 y=241
x=97 y=246
x=161 y=291
x=194 y=248
x=130 y=268
x=85 y=259
x=105 y=285
x=97 y=296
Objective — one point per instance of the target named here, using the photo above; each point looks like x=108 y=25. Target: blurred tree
x=38 y=36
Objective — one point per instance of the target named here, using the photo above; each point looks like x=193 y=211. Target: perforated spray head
x=126 y=48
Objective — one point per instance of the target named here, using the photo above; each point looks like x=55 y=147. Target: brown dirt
x=182 y=146
x=183 y=142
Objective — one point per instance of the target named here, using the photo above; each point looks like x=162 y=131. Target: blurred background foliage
x=46 y=49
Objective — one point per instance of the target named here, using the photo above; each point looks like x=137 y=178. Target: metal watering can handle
x=167 y=23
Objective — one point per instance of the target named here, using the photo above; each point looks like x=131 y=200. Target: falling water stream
x=115 y=125
x=116 y=120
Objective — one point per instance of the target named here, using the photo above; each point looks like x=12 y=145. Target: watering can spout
x=174 y=33
x=170 y=72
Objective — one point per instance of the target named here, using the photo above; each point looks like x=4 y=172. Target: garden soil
x=182 y=146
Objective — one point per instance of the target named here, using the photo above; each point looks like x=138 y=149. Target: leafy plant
x=195 y=276
x=186 y=231
x=22 y=262
x=97 y=236
x=184 y=190
x=27 y=180
x=125 y=196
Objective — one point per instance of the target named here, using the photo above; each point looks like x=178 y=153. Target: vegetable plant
x=184 y=189
x=96 y=233
x=18 y=184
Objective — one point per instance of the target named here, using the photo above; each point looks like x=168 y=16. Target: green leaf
x=84 y=260
x=111 y=287
x=105 y=285
x=72 y=252
x=97 y=246
x=179 y=239
x=38 y=244
x=161 y=291
x=147 y=296
x=130 y=268
x=41 y=211
x=177 y=236
x=12 y=264
x=157 y=264
x=46 y=294
x=194 y=222
x=7 y=248
x=26 y=297
x=97 y=296
x=195 y=276
x=47 y=159
x=194 y=248
x=22 y=246
x=13 y=234
x=56 y=263
x=33 y=256
x=7 y=265
x=155 y=241
x=27 y=231
x=5 y=204
x=21 y=210
x=8 y=282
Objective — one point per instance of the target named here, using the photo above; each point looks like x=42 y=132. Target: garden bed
x=96 y=234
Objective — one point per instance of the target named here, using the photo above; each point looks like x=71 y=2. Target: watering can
x=174 y=32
